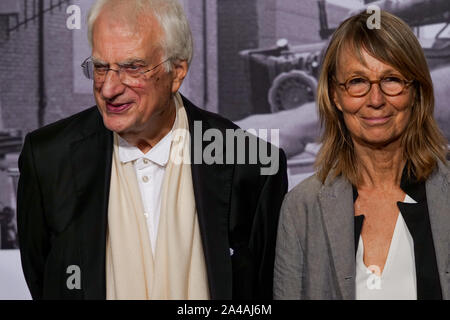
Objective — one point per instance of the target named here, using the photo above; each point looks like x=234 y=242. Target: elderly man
x=104 y=208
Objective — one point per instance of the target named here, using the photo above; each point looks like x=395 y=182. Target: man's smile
x=118 y=107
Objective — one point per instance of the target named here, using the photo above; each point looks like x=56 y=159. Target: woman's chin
x=378 y=141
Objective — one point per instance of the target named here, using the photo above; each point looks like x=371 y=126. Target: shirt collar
x=159 y=154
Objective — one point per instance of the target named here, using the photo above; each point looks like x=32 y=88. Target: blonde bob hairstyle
x=396 y=45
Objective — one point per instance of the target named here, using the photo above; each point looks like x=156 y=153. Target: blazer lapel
x=336 y=203
x=438 y=194
x=212 y=188
x=91 y=163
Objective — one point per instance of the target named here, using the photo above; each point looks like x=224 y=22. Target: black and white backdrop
x=255 y=62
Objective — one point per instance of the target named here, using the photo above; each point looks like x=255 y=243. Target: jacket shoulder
x=215 y=120
x=444 y=168
x=67 y=129
x=442 y=171
x=305 y=193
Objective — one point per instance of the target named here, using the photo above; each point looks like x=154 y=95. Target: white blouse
x=398 y=280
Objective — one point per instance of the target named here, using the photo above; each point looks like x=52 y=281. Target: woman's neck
x=380 y=167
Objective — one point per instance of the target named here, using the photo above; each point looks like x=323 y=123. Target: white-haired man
x=105 y=211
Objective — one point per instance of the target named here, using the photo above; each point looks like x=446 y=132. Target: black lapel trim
x=412 y=187
x=417 y=219
x=91 y=163
x=359 y=220
x=212 y=191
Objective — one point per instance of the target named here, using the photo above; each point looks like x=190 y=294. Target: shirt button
x=146 y=214
x=145 y=161
x=145 y=179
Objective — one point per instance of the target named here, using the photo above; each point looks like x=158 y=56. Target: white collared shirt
x=398 y=279
x=150 y=168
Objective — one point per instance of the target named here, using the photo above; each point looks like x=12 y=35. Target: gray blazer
x=315 y=252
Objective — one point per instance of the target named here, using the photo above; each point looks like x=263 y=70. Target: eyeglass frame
x=406 y=84
x=83 y=65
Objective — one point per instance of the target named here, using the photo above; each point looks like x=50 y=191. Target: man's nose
x=376 y=96
x=112 y=86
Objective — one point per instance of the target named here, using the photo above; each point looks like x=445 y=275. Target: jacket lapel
x=438 y=194
x=91 y=163
x=336 y=203
x=212 y=190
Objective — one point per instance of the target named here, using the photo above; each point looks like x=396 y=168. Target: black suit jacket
x=62 y=209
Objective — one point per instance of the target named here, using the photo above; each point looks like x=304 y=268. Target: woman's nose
x=376 y=96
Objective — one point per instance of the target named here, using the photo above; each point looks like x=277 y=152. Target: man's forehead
x=130 y=60
x=111 y=34
x=114 y=42
x=107 y=27
x=123 y=18
x=103 y=53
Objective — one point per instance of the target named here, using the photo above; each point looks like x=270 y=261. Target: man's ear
x=179 y=71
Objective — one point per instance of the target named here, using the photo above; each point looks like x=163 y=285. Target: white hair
x=176 y=42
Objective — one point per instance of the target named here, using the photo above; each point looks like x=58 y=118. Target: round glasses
x=390 y=86
x=129 y=74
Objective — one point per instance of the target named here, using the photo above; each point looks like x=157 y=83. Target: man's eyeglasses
x=390 y=86
x=129 y=74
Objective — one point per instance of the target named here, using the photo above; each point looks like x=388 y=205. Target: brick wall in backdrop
x=19 y=68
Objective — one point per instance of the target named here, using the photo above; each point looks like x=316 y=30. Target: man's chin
x=115 y=125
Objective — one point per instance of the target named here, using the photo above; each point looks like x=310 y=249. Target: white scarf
x=178 y=270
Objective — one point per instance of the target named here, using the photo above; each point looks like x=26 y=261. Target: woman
x=374 y=221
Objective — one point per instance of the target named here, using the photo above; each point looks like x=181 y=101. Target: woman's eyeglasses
x=360 y=86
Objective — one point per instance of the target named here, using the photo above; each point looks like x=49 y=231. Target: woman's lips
x=118 y=108
x=376 y=120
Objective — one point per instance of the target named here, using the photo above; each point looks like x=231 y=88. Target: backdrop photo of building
x=255 y=62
